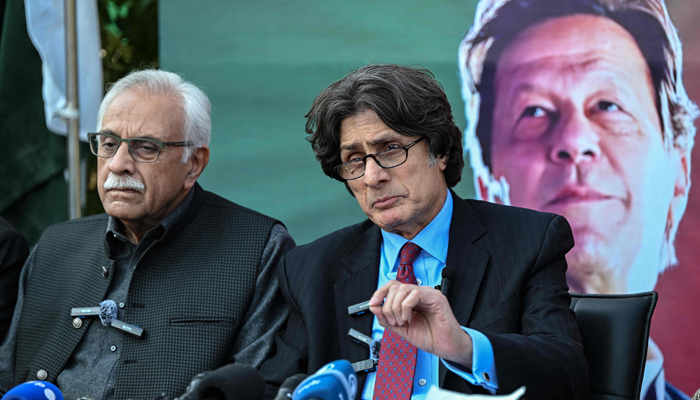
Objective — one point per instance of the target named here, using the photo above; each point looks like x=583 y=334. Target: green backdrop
x=263 y=62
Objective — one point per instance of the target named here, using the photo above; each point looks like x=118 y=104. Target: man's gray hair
x=195 y=103
x=499 y=21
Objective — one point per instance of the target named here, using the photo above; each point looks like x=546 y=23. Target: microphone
x=288 y=386
x=334 y=381
x=696 y=396
x=232 y=381
x=34 y=390
x=107 y=311
x=447 y=275
x=108 y=317
x=82 y=312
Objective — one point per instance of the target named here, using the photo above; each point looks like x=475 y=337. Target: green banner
x=262 y=64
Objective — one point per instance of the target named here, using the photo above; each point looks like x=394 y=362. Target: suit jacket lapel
x=362 y=263
x=467 y=261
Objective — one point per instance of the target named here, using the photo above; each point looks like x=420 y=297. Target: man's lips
x=125 y=191
x=385 y=202
x=579 y=194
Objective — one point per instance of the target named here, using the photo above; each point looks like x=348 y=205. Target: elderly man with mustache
x=193 y=270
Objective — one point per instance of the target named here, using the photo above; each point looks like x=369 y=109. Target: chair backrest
x=615 y=334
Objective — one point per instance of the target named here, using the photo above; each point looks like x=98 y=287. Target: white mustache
x=115 y=181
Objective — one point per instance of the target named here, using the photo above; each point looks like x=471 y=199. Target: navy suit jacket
x=510 y=284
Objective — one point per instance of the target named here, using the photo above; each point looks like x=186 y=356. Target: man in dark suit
x=387 y=131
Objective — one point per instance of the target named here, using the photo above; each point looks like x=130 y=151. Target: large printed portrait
x=577 y=107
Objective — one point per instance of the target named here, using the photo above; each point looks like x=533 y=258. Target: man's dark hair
x=408 y=100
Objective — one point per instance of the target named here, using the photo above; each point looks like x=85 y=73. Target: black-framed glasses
x=141 y=149
x=386 y=159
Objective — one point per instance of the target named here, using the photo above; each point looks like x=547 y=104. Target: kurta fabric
x=191 y=292
x=397 y=358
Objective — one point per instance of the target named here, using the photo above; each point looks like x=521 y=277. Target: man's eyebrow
x=349 y=147
x=385 y=138
x=111 y=132
x=522 y=87
x=374 y=142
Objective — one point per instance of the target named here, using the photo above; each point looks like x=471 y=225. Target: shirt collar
x=433 y=239
x=115 y=227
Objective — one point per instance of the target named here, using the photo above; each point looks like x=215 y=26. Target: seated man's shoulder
x=85 y=225
x=505 y=216
x=220 y=204
x=67 y=238
x=224 y=218
x=331 y=247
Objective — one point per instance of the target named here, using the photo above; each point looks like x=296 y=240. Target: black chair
x=615 y=333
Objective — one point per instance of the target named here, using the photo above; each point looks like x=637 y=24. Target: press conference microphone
x=108 y=317
x=232 y=381
x=447 y=275
x=34 y=390
x=288 y=386
x=334 y=381
x=696 y=396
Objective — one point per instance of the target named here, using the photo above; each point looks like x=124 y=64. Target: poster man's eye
x=534 y=111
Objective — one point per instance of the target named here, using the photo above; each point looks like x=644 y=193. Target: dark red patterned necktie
x=397 y=360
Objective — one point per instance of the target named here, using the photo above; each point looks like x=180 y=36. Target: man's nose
x=122 y=161
x=575 y=141
x=374 y=174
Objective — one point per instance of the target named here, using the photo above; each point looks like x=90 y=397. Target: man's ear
x=197 y=162
x=442 y=160
x=681 y=187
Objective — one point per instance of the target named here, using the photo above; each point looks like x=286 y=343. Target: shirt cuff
x=483 y=363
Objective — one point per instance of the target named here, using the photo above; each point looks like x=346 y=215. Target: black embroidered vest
x=190 y=293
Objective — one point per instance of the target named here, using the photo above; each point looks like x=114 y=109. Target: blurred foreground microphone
x=230 y=382
x=288 y=386
x=696 y=396
x=334 y=381
x=34 y=390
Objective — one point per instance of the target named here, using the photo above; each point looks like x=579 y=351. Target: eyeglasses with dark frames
x=142 y=150
x=390 y=158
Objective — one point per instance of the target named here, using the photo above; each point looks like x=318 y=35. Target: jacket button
x=77 y=323
x=105 y=272
x=41 y=374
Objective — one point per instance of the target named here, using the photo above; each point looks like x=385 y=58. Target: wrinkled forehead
x=134 y=113
x=575 y=44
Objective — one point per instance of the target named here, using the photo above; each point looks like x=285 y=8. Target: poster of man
x=577 y=107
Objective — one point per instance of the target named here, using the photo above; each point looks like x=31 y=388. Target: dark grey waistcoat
x=190 y=293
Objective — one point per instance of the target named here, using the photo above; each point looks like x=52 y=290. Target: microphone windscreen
x=696 y=396
x=448 y=273
x=108 y=312
x=34 y=390
x=374 y=349
x=334 y=381
x=288 y=386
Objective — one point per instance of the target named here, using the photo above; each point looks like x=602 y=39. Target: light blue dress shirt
x=433 y=239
